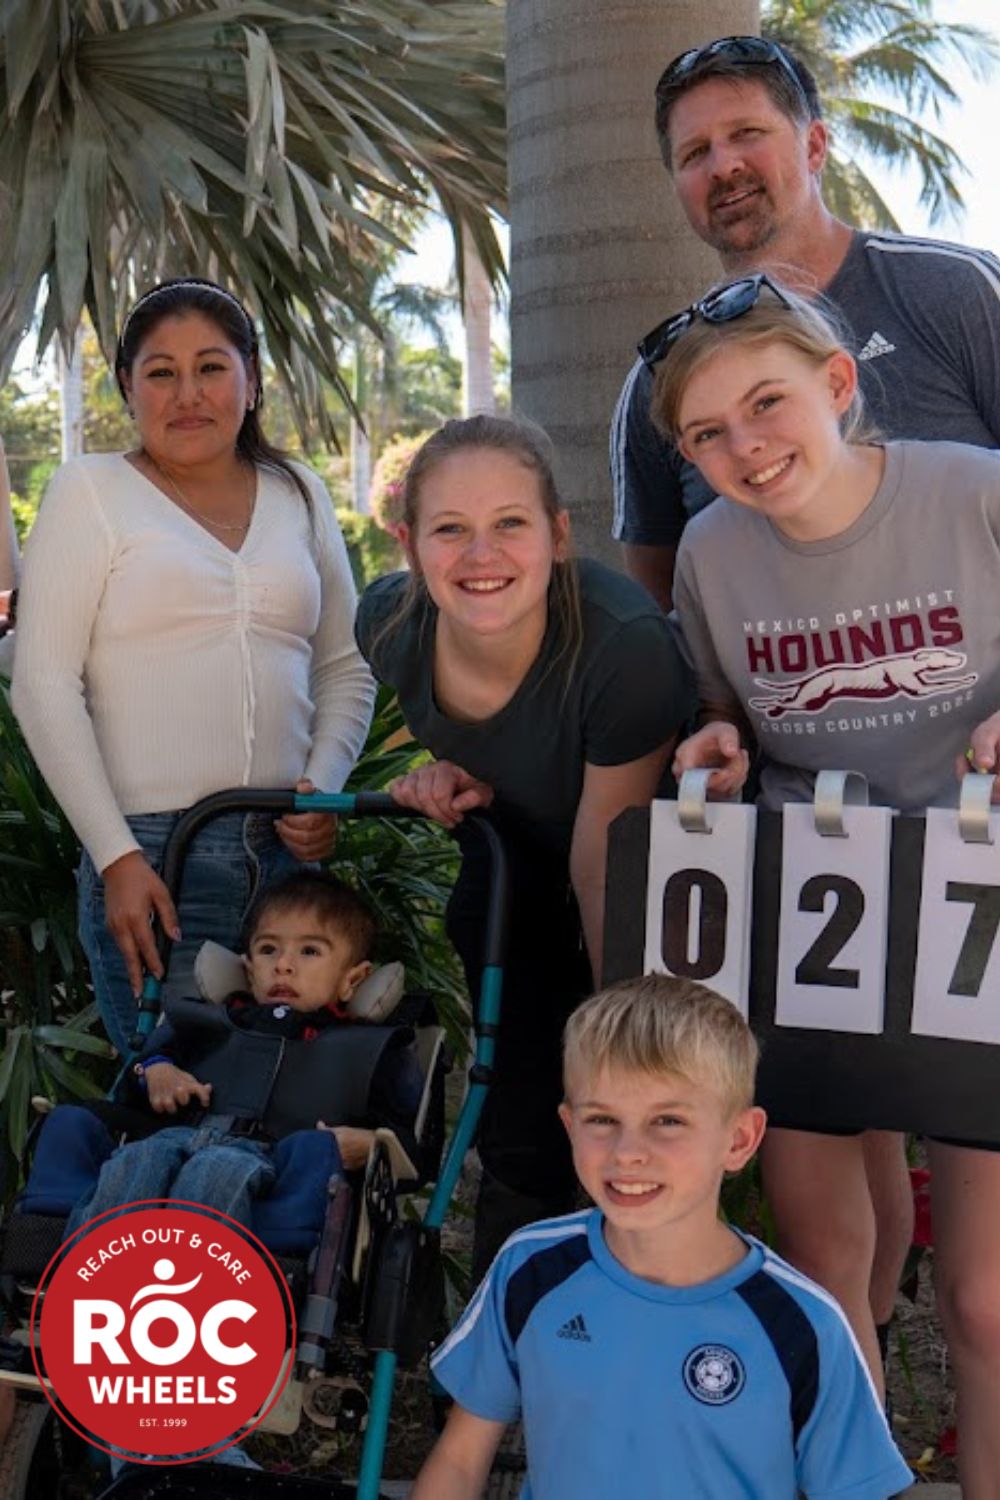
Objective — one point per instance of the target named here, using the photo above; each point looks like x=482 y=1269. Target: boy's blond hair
x=659 y=1024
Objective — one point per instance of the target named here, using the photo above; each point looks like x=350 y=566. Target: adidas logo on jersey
x=575 y=1328
x=876 y=345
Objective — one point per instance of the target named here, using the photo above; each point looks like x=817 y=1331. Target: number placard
x=956 y=989
x=834 y=915
x=698 y=898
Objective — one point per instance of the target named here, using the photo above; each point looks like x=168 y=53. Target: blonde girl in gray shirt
x=834 y=604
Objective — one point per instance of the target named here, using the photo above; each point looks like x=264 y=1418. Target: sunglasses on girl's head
x=721 y=306
x=750 y=50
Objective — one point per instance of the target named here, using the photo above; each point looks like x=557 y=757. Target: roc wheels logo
x=162 y=1332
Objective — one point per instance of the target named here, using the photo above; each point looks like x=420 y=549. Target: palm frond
x=894 y=139
x=254 y=142
x=858 y=49
x=852 y=196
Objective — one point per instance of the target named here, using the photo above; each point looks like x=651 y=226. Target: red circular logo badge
x=163 y=1331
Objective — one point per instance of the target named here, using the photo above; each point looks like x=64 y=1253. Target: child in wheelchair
x=251 y=1106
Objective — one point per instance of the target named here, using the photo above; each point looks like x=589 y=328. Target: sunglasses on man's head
x=721 y=306
x=752 y=51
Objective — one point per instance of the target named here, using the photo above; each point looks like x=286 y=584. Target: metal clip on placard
x=974 y=804
x=834 y=791
x=692 y=801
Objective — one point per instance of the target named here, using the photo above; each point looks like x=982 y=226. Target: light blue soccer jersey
x=747 y=1387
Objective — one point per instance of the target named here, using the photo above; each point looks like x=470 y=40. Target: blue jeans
x=229 y=863
x=280 y=1190
x=197 y=1163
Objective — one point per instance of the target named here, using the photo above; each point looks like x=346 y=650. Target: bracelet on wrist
x=140 y=1068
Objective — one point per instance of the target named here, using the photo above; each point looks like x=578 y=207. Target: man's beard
x=745 y=230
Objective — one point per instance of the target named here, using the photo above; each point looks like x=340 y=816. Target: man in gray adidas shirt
x=741 y=136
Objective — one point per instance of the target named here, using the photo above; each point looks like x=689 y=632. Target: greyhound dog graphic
x=915 y=674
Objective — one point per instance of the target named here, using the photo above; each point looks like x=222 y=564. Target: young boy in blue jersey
x=650 y=1349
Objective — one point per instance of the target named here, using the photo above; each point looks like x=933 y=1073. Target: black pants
x=527 y=1166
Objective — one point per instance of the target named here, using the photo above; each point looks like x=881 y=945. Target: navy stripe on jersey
x=794 y=1340
x=538 y=1276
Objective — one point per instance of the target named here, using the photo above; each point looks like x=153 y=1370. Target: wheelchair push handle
x=280 y=801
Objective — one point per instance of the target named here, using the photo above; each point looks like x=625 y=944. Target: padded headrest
x=218 y=971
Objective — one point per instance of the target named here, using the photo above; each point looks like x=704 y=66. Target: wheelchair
x=369 y=1288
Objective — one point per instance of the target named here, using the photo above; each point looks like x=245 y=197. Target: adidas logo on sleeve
x=876 y=345
x=575 y=1328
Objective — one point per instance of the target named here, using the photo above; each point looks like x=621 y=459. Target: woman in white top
x=185 y=626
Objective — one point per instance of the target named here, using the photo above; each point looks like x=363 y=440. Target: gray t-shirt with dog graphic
x=876 y=650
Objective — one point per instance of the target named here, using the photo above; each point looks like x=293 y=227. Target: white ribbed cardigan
x=153 y=666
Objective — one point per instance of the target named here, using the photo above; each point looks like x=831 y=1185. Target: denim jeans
x=231 y=860
x=78 y=1172
x=197 y=1163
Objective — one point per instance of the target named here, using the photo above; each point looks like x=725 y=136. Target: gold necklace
x=199 y=515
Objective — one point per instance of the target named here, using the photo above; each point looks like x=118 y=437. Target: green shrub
x=371 y=550
x=47 y=1015
x=388 y=476
x=406 y=867
x=25 y=512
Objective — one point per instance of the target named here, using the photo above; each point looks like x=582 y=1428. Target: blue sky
x=971 y=128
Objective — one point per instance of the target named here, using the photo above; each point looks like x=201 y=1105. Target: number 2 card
x=834 y=916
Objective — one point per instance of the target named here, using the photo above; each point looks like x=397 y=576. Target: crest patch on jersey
x=714 y=1374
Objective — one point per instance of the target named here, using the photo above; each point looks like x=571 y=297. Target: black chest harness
x=281 y=1083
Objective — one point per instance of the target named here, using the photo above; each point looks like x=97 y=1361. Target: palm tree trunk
x=361 y=468
x=71 y=398
x=361 y=448
x=600 y=250
x=477 y=367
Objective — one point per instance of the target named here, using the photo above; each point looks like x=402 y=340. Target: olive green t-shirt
x=627 y=693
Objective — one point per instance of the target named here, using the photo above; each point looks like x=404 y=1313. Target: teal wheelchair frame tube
x=487 y=1018
x=480 y=1076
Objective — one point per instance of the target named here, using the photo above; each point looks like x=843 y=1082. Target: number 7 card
x=956 y=989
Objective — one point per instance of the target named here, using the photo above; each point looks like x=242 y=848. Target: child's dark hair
x=335 y=903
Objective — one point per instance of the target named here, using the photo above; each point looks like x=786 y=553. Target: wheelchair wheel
x=41 y=1457
x=20 y=1446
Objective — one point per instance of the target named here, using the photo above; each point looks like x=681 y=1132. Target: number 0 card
x=698 y=898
